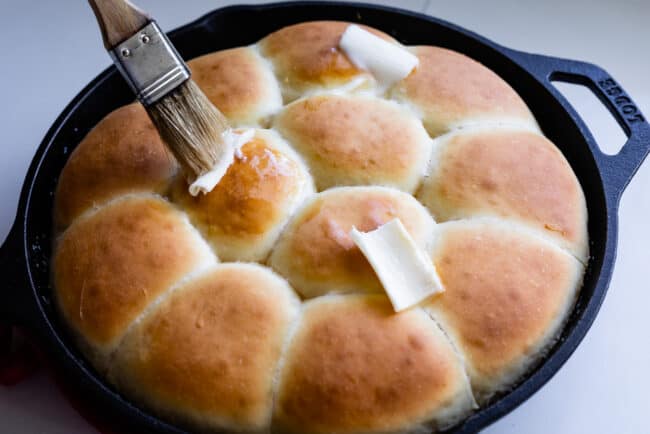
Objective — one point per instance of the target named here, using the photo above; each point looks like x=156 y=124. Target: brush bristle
x=191 y=126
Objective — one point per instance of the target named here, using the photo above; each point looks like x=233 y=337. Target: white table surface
x=51 y=49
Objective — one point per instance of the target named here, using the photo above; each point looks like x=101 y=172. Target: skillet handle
x=16 y=306
x=617 y=170
x=17 y=355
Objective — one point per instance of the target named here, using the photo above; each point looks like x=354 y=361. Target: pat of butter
x=405 y=271
x=387 y=62
x=232 y=141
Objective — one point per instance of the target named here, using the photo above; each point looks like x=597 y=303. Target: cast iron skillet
x=26 y=296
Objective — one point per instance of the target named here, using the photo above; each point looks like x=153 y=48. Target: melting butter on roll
x=354 y=366
x=404 y=270
x=243 y=215
x=207 y=355
x=509 y=173
x=507 y=296
x=122 y=154
x=451 y=90
x=349 y=140
x=307 y=58
x=387 y=62
x=315 y=252
x=240 y=83
x=111 y=265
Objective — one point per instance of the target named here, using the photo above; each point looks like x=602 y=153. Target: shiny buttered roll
x=123 y=154
x=354 y=366
x=243 y=215
x=349 y=140
x=109 y=266
x=250 y=308
x=507 y=295
x=316 y=253
x=207 y=354
x=240 y=83
x=307 y=58
x=450 y=90
x=514 y=174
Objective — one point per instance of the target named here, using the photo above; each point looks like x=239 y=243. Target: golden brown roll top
x=307 y=58
x=357 y=141
x=240 y=83
x=110 y=265
x=122 y=154
x=507 y=294
x=243 y=215
x=508 y=173
x=452 y=90
x=207 y=355
x=354 y=366
x=316 y=253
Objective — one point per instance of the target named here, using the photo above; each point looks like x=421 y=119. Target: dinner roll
x=240 y=83
x=110 y=265
x=122 y=154
x=307 y=58
x=357 y=141
x=452 y=90
x=509 y=173
x=207 y=355
x=507 y=294
x=243 y=215
x=354 y=366
x=316 y=253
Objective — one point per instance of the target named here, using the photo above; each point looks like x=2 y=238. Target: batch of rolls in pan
x=250 y=309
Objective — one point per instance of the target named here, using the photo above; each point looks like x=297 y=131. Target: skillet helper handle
x=15 y=297
x=617 y=169
x=118 y=20
x=17 y=357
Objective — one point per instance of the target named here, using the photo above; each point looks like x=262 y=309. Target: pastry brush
x=192 y=127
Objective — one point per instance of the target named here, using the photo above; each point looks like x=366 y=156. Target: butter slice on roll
x=387 y=62
x=307 y=58
x=316 y=253
x=405 y=271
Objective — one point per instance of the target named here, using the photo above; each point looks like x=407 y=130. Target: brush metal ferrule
x=150 y=64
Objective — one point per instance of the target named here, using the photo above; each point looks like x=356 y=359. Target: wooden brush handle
x=118 y=20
